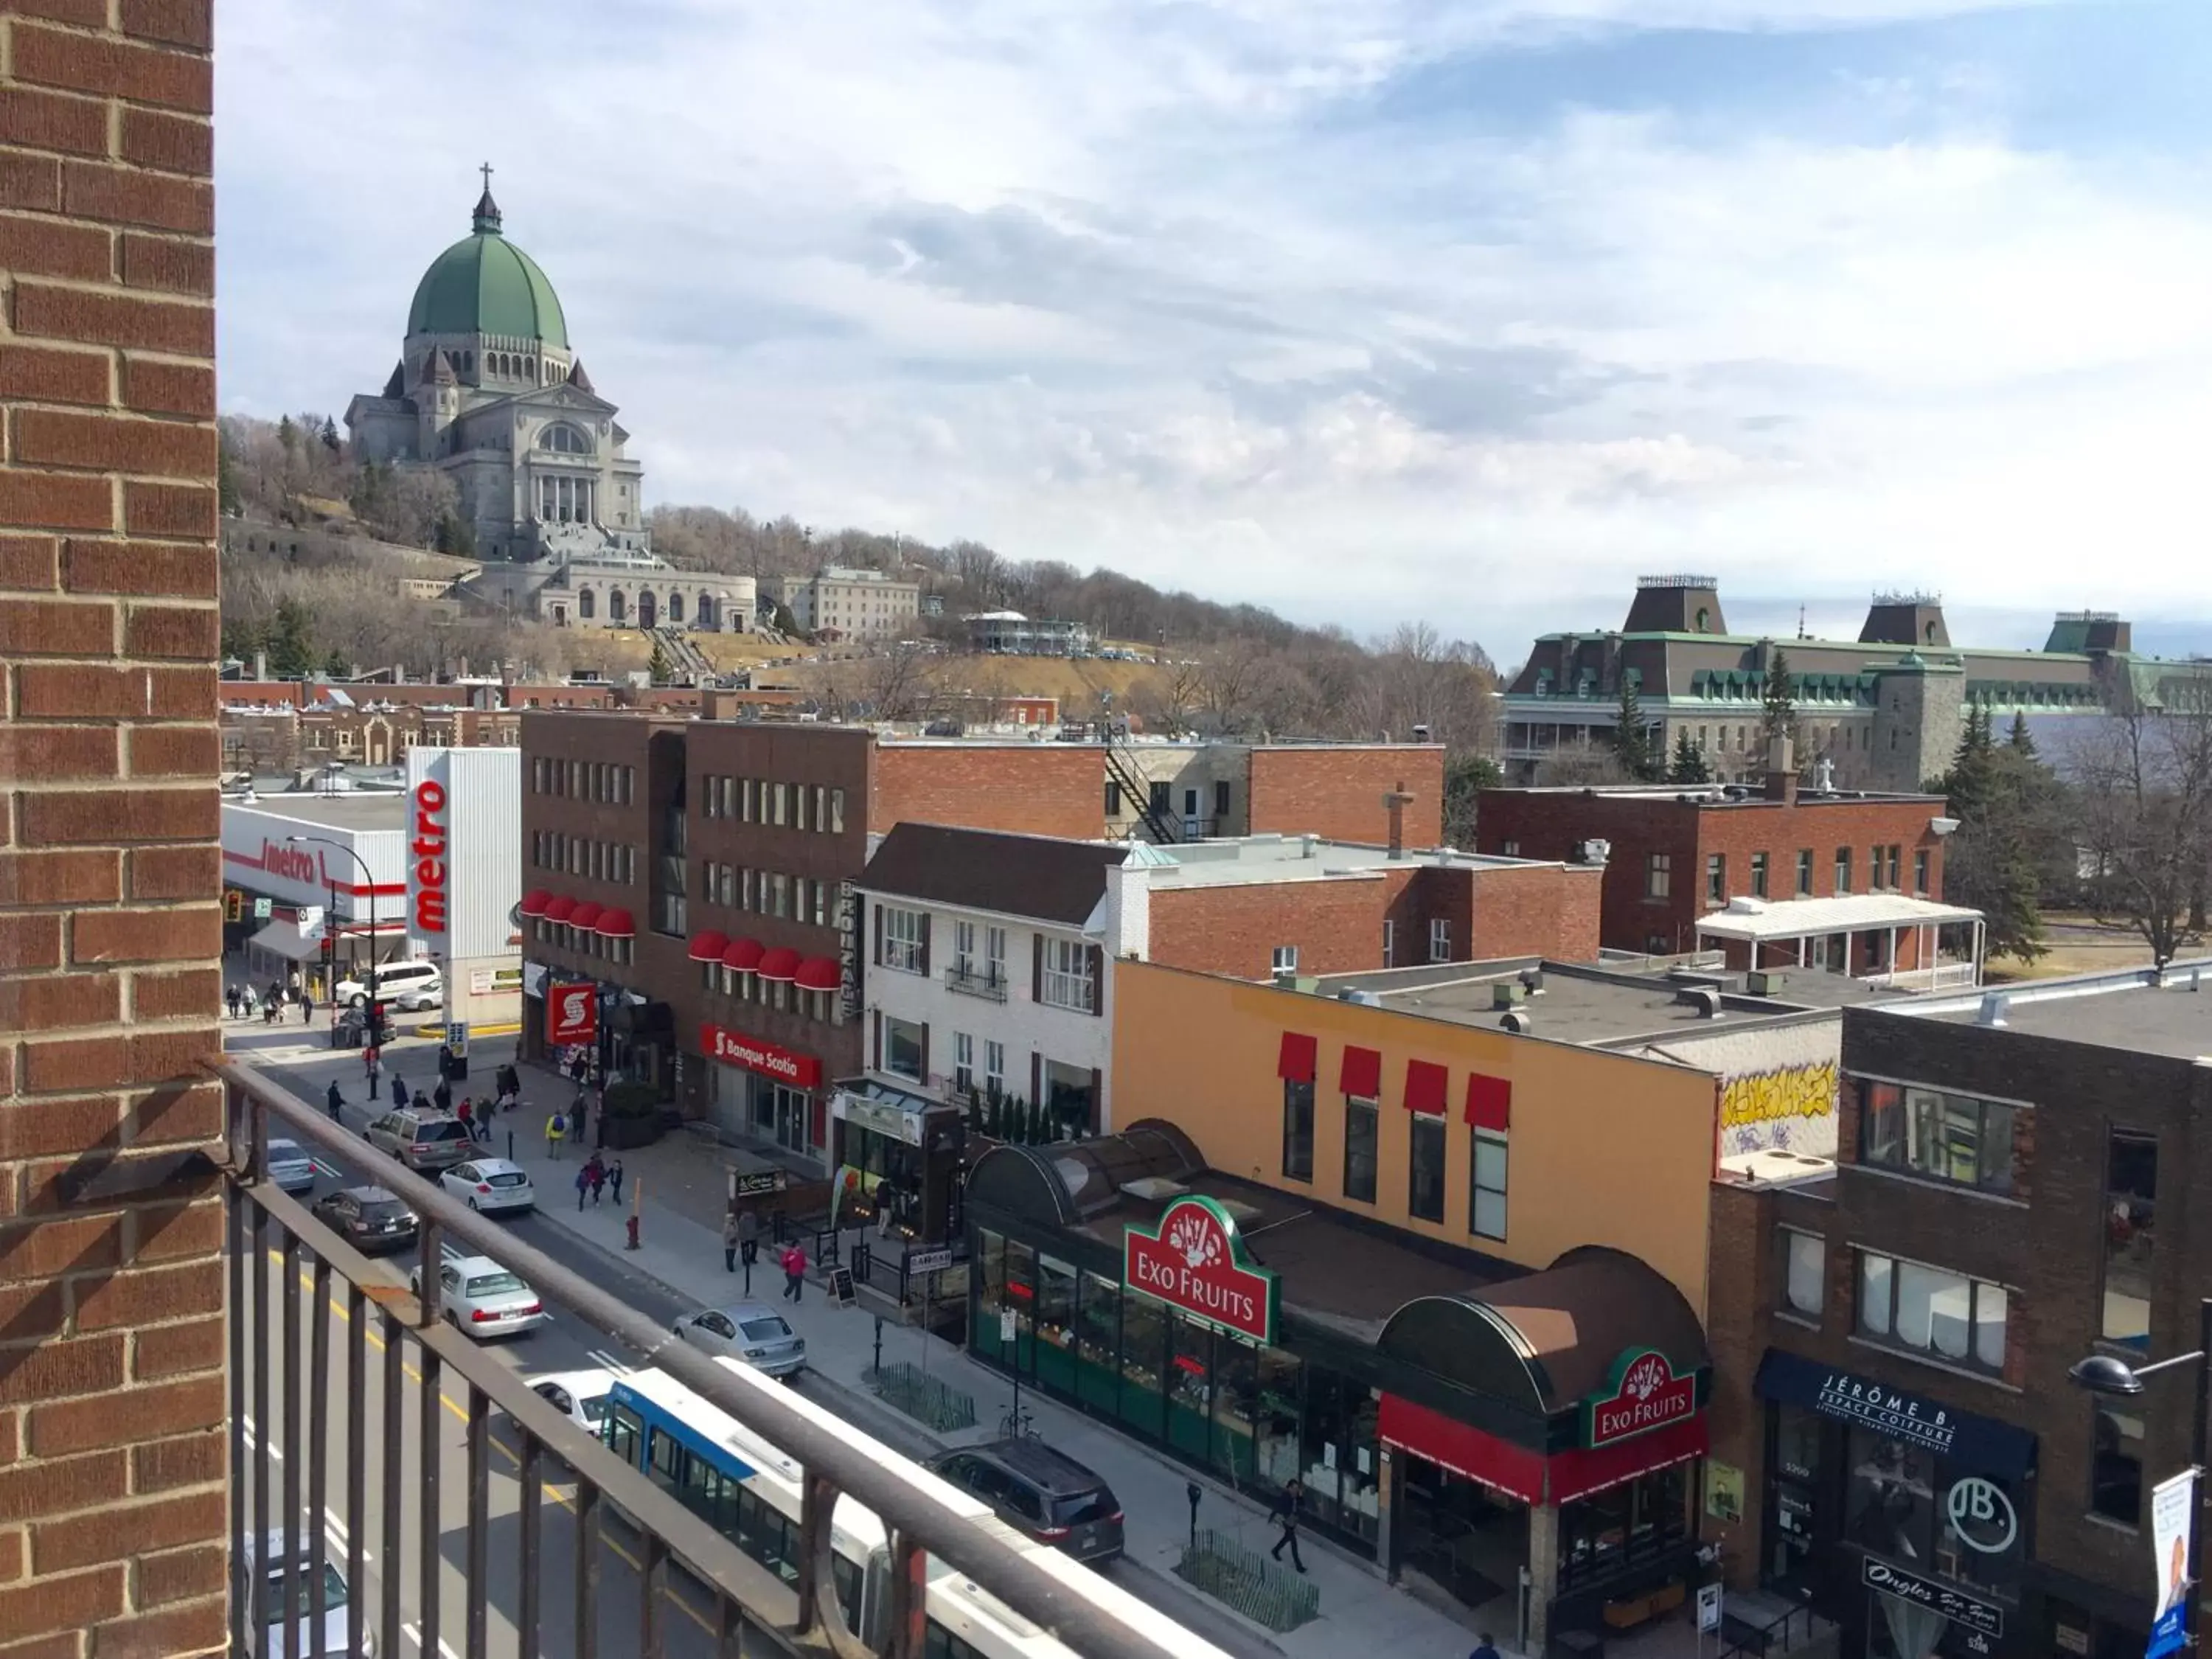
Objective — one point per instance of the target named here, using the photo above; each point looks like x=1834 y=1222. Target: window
x=1805 y=873
x=1286 y=959
x=1920 y=872
x=964 y=1060
x=1658 y=875
x=1486 y=1210
x=2116 y=1464
x=1896 y=867
x=1716 y=878
x=1874 y=868
x=1113 y=799
x=1361 y=1128
x=1424 y=1185
x=2131 y=1210
x=903 y=1041
x=994 y=955
x=1802 y=1262
x=1843 y=871
x=1945 y=1137
x=995 y=1067
x=1298 y=1130
x=1758 y=875
x=1068 y=974
x=1389 y=945
x=1931 y=1310
x=963 y=948
x=904 y=932
x=1221 y=798
x=778 y=804
x=1440 y=940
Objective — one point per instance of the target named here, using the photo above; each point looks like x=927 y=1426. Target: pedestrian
x=1287 y=1517
x=730 y=1224
x=335 y=1100
x=599 y=1172
x=276 y=998
x=368 y=1069
x=270 y=1007
x=292 y=982
x=230 y=996
x=399 y=1092
x=510 y=1081
x=615 y=1180
x=583 y=1183
x=420 y=1103
x=1484 y=1648
x=748 y=1238
x=467 y=1114
x=443 y=1096
x=306 y=1008
x=555 y=1127
x=579 y=1117
x=794 y=1270
x=883 y=1206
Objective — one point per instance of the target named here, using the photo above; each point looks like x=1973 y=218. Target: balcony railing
x=969 y=981
x=616 y=1564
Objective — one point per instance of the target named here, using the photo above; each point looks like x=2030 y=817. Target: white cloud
x=1168 y=286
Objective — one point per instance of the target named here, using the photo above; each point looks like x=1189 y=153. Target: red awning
x=560 y=909
x=535 y=901
x=1528 y=1474
x=1425 y=1083
x=1489 y=1103
x=1577 y=1472
x=743 y=956
x=615 y=923
x=584 y=915
x=1362 y=1073
x=818 y=974
x=708 y=946
x=1298 y=1064
x=778 y=964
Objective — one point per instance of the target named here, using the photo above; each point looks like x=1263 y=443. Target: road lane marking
x=251 y=1439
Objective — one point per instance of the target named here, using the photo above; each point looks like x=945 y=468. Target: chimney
x=260 y=665
x=1781 y=770
x=1394 y=804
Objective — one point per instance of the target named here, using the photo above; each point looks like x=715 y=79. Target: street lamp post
x=2107 y=1375
x=367 y=886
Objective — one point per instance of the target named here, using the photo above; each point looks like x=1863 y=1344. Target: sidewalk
x=681 y=1245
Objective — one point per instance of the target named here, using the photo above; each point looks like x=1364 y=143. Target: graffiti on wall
x=1791 y=1107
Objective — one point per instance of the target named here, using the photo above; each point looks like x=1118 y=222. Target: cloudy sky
x=1468 y=310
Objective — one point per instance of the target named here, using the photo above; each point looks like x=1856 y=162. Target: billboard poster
x=2173 y=1513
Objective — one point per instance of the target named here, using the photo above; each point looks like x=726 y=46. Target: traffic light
x=233 y=905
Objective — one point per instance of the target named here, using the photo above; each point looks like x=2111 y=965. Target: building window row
x=812 y=806
x=581 y=855
x=608 y=782
x=1065 y=976
x=743 y=986
x=1932 y=1311
x=810 y=899
x=1952 y=1137
x=901 y=940
x=1428 y=1154
x=583 y=942
x=1885 y=872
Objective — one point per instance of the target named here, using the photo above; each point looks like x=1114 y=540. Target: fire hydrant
x=632 y=1225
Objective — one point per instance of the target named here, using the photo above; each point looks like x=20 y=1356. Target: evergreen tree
x=2022 y=742
x=1689 y=765
x=226 y=480
x=1632 y=738
x=2007 y=803
x=658 y=666
x=290 y=642
x=1778 y=718
x=288 y=434
x=330 y=434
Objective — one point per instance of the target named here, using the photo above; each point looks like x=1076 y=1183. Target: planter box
x=624 y=1134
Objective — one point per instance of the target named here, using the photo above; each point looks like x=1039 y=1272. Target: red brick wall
x=1337 y=792
x=111 y=1395
x=1037 y=789
x=1543 y=824
x=1337 y=926
x=1545 y=910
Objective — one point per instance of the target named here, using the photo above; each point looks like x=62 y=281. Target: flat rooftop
x=1251 y=861
x=1714 y=795
x=2134 y=1011
x=349 y=809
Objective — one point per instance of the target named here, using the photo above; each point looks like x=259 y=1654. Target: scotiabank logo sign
x=736 y=1049
x=572 y=1014
x=1195 y=1261
x=430 y=873
x=1645 y=1394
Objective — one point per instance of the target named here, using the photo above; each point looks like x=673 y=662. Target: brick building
x=1336 y=790
x=1677 y=858
x=112 y=1387
x=2016 y=1175
x=287 y=737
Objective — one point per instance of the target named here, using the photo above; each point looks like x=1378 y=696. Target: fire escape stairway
x=1135 y=789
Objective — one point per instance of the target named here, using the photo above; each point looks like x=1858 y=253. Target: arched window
x=703 y=613
x=565 y=440
x=529 y=368
x=468 y=362
x=617 y=606
x=586 y=605
x=674 y=607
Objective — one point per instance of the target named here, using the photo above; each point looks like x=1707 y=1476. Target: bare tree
x=1229 y=676
x=2144 y=784
x=896 y=682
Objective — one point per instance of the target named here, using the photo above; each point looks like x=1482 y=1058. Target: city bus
x=750 y=1493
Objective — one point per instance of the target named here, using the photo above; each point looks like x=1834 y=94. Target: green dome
x=484 y=284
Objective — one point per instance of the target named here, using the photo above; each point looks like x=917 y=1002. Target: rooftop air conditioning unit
x=1517 y=1020
x=1765 y=981
x=1507 y=993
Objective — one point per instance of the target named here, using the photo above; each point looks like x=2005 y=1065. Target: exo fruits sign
x=736 y=1049
x=429 y=872
x=572 y=1014
x=1645 y=1394
x=1194 y=1261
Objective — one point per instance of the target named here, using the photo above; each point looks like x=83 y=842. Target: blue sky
x=1463 y=310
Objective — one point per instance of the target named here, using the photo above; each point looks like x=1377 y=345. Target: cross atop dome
x=487 y=215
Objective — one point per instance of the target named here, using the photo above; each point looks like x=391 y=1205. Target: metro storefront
x=1452 y=1416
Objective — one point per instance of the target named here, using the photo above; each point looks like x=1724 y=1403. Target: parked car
x=291 y=1167
x=368 y=1217
x=1041 y=1492
x=261 y=1569
x=483 y=1299
x=490 y=1184
x=751 y=1332
x=422 y=1140
x=405 y=984
x=582 y=1397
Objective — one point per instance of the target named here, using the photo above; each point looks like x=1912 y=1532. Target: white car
x=291 y=1167
x=401 y=984
x=262 y=1570
x=483 y=1299
x=490 y=1184
x=582 y=1397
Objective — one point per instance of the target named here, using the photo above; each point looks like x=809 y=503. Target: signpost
x=1709 y=1609
x=928 y=1261
x=841 y=1287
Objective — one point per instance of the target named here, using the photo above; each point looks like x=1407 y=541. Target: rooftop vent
x=1765 y=981
x=1517 y=1020
x=1154 y=1189
x=1532 y=981
x=1364 y=999
x=1704 y=999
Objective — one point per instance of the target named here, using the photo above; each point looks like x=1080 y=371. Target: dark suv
x=1041 y=1492
x=369 y=1217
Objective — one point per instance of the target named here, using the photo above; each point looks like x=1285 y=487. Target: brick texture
x=112 y=1398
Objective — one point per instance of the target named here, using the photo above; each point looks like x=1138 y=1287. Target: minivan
x=418 y=983
x=1041 y=1492
x=422 y=1140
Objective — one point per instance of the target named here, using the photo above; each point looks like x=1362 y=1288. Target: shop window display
x=1144 y=1343
x=1097 y=1343
x=1055 y=1325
